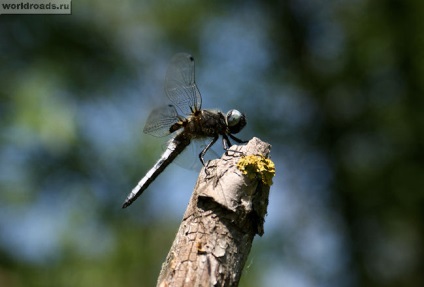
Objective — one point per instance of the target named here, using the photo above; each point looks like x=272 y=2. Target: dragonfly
x=185 y=118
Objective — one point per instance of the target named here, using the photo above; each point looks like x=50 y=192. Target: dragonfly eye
x=235 y=121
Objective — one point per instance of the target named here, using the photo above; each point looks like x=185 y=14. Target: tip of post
x=126 y=204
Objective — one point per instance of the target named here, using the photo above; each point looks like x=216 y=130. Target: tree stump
x=225 y=212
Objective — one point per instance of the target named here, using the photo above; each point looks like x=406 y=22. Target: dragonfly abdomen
x=174 y=148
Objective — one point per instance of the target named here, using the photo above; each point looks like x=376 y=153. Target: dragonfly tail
x=174 y=148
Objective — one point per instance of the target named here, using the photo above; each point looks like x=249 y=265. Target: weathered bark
x=225 y=212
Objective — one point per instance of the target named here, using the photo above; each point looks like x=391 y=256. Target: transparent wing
x=160 y=120
x=180 y=86
x=189 y=158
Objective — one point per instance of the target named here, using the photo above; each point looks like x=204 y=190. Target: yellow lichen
x=257 y=166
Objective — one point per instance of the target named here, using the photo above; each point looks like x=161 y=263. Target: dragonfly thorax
x=207 y=123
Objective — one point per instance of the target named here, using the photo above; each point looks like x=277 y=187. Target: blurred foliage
x=339 y=82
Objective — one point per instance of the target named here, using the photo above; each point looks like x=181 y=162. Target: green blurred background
x=335 y=86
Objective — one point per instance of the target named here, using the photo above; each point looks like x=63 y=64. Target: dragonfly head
x=235 y=121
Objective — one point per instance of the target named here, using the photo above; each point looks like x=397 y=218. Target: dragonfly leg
x=237 y=139
x=227 y=144
x=202 y=154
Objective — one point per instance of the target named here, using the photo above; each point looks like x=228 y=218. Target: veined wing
x=160 y=120
x=189 y=157
x=180 y=85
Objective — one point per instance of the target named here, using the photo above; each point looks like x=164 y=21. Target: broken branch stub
x=225 y=212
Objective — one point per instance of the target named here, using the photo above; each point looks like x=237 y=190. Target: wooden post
x=225 y=212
